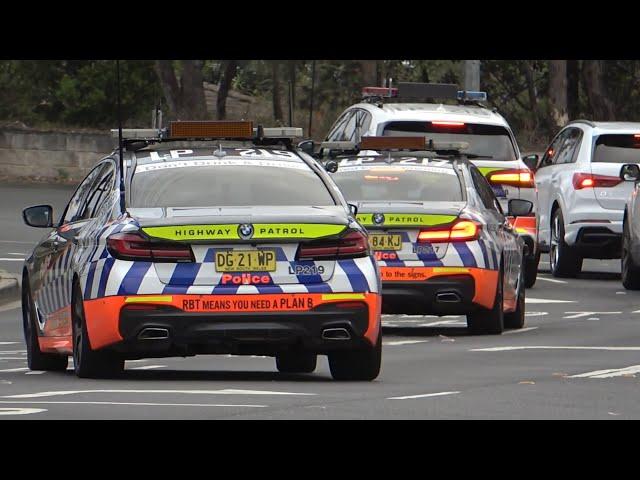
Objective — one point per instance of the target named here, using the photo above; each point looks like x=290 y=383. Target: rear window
x=227 y=182
x=617 y=149
x=399 y=184
x=485 y=140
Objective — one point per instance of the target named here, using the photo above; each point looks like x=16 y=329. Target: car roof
x=440 y=111
x=609 y=127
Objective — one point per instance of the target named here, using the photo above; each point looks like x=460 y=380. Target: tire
x=565 y=262
x=357 y=365
x=37 y=360
x=88 y=363
x=489 y=322
x=297 y=362
x=516 y=318
x=531 y=270
x=630 y=271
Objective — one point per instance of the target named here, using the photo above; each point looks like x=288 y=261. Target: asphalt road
x=577 y=358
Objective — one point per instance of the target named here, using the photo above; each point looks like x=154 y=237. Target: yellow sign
x=406 y=219
x=230 y=231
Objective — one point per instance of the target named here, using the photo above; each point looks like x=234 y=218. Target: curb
x=9 y=287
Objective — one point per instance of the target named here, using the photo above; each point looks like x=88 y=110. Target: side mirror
x=331 y=166
x=531 y=161
x=40 y=216
x=630 y=172
x=353 y=208
x=307 y=146
x=519 y=208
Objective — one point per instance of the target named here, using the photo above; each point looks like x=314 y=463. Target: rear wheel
x=297 y=362
x=36 y=359
x=489 y=322
x=630 y=271
x=361 y=364
x=531 y=270
x=516 y=319
x=564 y=259
x=89 y=363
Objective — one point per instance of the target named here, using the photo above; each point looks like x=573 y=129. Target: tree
x=185 y=96
x=229 y=72
x=601 y=104
x=275 y=91
x=558 y=92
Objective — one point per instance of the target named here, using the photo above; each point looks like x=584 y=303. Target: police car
x=217 y=238
x=438 y=232
x=394 y=111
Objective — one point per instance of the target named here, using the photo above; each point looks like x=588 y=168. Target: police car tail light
x=517 y=178
x=353 y=244
x=133 y=246
x=384 y=92
x=589 y=180
x=460 y=231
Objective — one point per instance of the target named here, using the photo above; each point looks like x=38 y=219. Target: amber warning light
x=211 y=129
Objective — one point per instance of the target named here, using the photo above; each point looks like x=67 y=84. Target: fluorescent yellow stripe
x=450 y=270
x=407 y=219
x=487 y=170
x=343 y=296
x=230 y=231
x=521 y=230
x=165 y=298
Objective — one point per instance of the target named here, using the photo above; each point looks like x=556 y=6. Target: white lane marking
x=552 y=280
x=13 y=253
x=586 y=314
x=546 y=300
x=12 y=352
x=148 y=367
x=8 y=343
x=403 y=342
x=12 y=358
x=593 y=319
x=522 y=330
x=424 y=395
x=621 y=293
x=134 y=404
x=35 y=372
x=441 y=322
x=6 y=259
x=7 y=370
x=535 y=314
x=11 y=306
x=17 y=241
x=21 y=411
x=226 y=391
x=609 y=373
x=554 y=347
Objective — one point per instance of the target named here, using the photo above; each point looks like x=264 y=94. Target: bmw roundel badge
x=245 y=231
x=378 y=218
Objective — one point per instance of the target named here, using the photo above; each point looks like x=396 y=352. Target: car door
x=543 y=176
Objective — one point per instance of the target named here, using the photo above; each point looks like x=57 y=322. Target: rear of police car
x=239 y=248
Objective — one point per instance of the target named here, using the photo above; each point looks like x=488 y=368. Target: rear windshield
x=617 y=149
x=485 y=140
x=399 y=184
x=228 y=183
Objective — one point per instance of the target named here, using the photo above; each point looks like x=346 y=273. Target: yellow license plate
x=384 y=241
x=246 y=261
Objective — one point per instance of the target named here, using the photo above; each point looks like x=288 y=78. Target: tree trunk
x=573 y=83
x=558 y=92
x=194 y=105
x=169 y=85
x=369 y=73
x=230 y=69
x=601 y=104
x=527 y=70
x=275 y=77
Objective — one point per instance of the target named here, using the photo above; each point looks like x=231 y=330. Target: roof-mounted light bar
x=381 y=92
x=138 y=133
x=470 y=96
x=422 y=91
x=210 y=129
x=393 y=143
x=281 y=132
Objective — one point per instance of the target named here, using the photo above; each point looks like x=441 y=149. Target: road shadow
x=608 y=276
x=427 y=331
x=219 y=376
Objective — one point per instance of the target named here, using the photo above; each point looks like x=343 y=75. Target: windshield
x=399 y=183
x=617 y=149
x=484 y=140
x=227 y=182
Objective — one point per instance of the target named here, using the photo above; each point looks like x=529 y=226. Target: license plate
x=246 y=261
x=380 y=241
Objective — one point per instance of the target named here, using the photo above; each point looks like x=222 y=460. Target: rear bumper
x=169 y=325
x=595 y=239
x=437 y=290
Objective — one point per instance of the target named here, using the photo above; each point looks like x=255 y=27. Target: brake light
x=589 y=180
x=133 y=246
x=445 y=123
x=522 y=178
x=353 y=244
x=460 y=231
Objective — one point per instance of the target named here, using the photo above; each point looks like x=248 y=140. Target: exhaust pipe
x=336 y=334
x=154 y=334
x=448 y=297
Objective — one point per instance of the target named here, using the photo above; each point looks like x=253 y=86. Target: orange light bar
x=461 y=231
x=211 y=129
x=389 y=143
x=448 y=124
x=516 y=178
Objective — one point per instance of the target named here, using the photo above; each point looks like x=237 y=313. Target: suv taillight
x=589 y=180
x=460 y=231
x=134 y=246
x=354 y=244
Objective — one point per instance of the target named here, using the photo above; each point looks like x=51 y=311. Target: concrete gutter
x=9 y=287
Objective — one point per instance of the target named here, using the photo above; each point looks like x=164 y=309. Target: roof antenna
x=122 y=200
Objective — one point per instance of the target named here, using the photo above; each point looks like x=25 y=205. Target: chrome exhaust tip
x=336 y=334
x=448 y=297
x=154 y=334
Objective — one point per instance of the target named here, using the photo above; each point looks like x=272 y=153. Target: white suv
x=581 y=197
